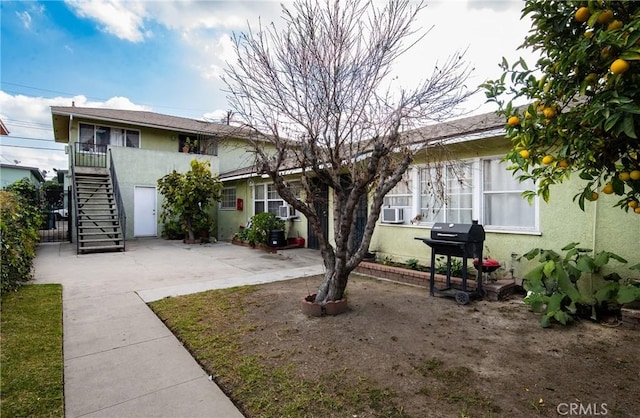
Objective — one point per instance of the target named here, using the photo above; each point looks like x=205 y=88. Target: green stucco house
x=140 y=147
x=476 y=185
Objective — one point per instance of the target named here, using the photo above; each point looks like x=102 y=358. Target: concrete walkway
x=119 y=359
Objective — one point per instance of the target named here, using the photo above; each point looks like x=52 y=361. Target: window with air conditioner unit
x=392 y=215
x=287 y=212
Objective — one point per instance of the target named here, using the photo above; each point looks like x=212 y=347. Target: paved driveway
x=119 y=358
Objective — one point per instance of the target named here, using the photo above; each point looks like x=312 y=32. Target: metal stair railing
x=122 y=217
x=75 y=199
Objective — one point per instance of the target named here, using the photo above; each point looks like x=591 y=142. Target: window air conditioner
x=392 y=215
x=287 y=212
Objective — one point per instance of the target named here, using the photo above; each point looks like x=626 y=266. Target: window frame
x=478 y=199
x=231 y=205
x=93 y=145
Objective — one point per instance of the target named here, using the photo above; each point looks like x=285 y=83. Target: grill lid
x=457 y=232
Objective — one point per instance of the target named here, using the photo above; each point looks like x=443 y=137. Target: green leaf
x=562 y=317
x=607 y=293
x=630 y=56
x=567 y=286
x=617 y=258
x=585 y=264
x=628 y=127
x=555 y=302
x=570 y=246
x=601 y=259
x=628 y=294
x=545 y=321
x=548 y=268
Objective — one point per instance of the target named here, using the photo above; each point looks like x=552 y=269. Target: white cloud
x=123 y=19
x=25 y=17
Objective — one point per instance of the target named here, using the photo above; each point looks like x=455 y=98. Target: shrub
x=413 y=264
x=19 y=223
x=261 y=225
x=173 y=230
x=565 y=286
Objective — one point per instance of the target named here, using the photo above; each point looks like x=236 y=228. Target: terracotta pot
x=310 y=308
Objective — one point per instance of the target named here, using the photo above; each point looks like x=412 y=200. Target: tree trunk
x=190 y=232
x=334 y=285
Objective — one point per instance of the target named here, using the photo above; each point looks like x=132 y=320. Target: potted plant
x=189 y=144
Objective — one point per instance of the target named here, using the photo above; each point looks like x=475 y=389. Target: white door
x=145 y=223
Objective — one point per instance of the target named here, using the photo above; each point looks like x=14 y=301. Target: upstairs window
x=97 y=137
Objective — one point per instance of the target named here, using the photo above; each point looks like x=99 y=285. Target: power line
x=27 y=138
x=91 y=97
x=27 y=147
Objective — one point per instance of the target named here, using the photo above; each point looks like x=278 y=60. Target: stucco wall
x=600 y=227
x=229 y=221
x=141 y=167
x=9 y=175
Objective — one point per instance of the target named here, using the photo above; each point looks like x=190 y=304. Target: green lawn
x=31 y=355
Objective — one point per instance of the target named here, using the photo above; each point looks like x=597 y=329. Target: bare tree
x=319 y=95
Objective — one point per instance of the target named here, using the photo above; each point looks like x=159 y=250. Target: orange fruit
x=605 y=17
x=588 y=34
x=616 y=24
x=637 y=210
x=563 y=164
x=594 y=196
x=619 y=66
x=635 y=175
x=632 y=204
x=547 y=159
x=524 y=154
x=513 y=121
x=605 y=52
x=624 y=176
x=583 y=14
x=549 y=112
x=607 y=189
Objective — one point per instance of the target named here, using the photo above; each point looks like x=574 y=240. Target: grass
x=210 y=325
x=31 y=357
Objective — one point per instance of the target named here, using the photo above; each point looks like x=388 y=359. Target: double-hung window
x=502 y=204
x=460 y=192
x=267 y=199
x=228 y=198
x=401 y=194
x=446 y=193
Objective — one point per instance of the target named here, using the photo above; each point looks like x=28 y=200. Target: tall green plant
x=562 y=286
x=189 y=196
x=261 y=225
x=19 y=224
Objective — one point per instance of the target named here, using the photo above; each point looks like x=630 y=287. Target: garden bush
x=563 y=286
x=19 y=223
x=261 y=225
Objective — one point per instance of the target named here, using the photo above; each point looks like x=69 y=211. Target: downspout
x=595 y=226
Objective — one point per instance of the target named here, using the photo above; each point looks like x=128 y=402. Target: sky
x=167 y=57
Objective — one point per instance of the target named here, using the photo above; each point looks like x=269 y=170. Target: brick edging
x=495 y=290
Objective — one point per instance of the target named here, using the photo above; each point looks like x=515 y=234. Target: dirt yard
x=441 y=359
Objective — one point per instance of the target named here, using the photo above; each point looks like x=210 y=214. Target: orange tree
x=583 y=114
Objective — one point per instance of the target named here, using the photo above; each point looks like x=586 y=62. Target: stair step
x=114 y=235
x=82 y=241
x=102 y=248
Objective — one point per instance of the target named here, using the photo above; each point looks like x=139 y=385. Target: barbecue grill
x=455 y=240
